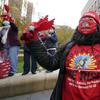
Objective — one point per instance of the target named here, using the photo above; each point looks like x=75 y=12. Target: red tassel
x=78 y=75
x=6 y=8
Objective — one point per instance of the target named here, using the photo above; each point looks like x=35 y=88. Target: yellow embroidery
x=83 y=61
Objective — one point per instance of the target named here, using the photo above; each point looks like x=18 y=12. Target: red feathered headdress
x=6 y=16
x=44 y=24
x=41 y=25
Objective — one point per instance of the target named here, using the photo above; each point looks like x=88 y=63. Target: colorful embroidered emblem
x=83 y=61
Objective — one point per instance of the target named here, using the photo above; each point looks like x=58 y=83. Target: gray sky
x=65 y=12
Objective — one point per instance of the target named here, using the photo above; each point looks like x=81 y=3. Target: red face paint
x=87 y=25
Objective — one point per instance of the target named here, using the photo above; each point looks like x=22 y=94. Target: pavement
x=43 y=95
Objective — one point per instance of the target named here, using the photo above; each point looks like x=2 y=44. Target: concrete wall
x=19 y=85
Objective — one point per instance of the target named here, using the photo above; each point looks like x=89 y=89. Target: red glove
x=34 y=35
x=27 y=36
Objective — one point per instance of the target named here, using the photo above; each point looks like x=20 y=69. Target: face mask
x=51 y=31
x=6 y=23
x=87 y=26
x=31 y=28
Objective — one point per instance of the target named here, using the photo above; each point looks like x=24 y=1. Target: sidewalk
x=43 y=95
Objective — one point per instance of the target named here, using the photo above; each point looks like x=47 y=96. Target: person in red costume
x=30 y=33
x=78 y=61
x=30 y=64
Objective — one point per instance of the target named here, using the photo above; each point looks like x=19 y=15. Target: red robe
x=82 y=77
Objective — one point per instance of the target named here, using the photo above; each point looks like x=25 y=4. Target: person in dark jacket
x=51 y=41
x=30 y=62
x=12 y=42
x=12 y=46
x=78 y=61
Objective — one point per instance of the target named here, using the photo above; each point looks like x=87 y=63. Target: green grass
x=20 y=65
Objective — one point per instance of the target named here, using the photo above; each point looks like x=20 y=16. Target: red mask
x=87 y=26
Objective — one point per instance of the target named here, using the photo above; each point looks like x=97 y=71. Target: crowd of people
x=78 y=60
x=10 y=44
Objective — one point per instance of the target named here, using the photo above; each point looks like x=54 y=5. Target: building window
x=24 y=8
x=99 y=9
